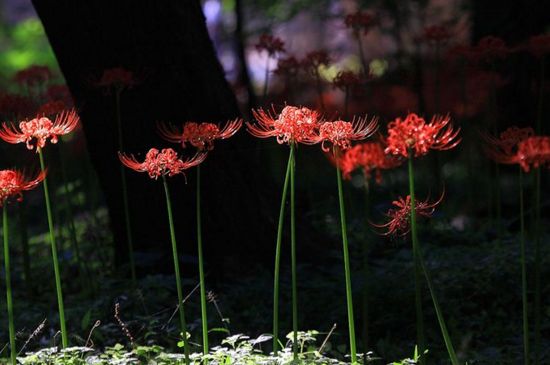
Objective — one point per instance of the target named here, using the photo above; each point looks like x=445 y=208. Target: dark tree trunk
x=165 y=43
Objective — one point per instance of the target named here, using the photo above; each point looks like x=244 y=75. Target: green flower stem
x=125 y=192
x=347 y=270
x=293 y=252
x=64 y=335
x=538 y=261
x=366 y=274
x=9 y=300
x=278 y=256
x=204 y=318
x=420 y=262
x=24 y=237
x=416 y=257
x=183 y=326
x=523 y=272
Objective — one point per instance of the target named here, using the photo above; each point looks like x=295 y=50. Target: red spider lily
x=14 y=182
x=293 y=125
x=369 y=157
x=200 y=135
x=161 y=163
x=117 y=77
x=349 y=80
x=271 y=44
x=33 y=75
x=341 y=133
x=400 y=216
x=508 y=140
x=51 y=108
x=41 y=129
x=532 y=152
x=315 y=59
x=288 y=66
x=490 y=48
x=539 y=45
x=15 y=106
x=360 y=20
x=413 y=133
x=436 y=34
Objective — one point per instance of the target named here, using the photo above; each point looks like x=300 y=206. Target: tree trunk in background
x=167 y=45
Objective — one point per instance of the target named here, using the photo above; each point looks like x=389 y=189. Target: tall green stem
x=416 y=257
x=61 y=307
x=125 y=192
x=347 y=270
x=538 y=261
x=204 y=318
x=24 y=236
x=293 y=252
x=278 y=256
x=183 y=325
x=366 y=275
x=9 y=300
x=523 y=272
x=420 y=262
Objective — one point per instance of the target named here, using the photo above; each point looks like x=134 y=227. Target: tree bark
x=167 y=46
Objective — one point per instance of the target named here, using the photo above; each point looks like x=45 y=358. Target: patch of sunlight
x=328 y=73
x=378 y=67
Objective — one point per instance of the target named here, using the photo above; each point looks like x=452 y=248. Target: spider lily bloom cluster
x=414 y=135
x=340 y=134
x=161 y=163
x=400 y=216
x=530 y=153
x=368 y=156
x=117 y=77
x=199 y=135
x=40 y=129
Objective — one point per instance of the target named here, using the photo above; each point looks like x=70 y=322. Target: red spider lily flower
x=293 y=125
x=349 y=80
x=508 y=140
x=117 y=77
x=15 y=106
x=14 y=182
x=41 y=129
x=200 y=135
x=315 y=59
x=161 y=163
x=532 y=152
x=271 y=44
x=490 y=48
x=341 y=133
x=413 y=133
x=539 y=45
x=288 y=66
x=360 y=20
x=369 y=157
x=436 y=34
x=400 y=216
x=33 y=75
x=51 y=108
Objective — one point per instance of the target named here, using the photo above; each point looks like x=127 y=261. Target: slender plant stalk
x=362 y=54
x=416 y=257
x=24 y=236
x=537 y=219
x=204 y=318
x=347 y=270
x=61 y=307
x=9 y=300
x=183 y=325
x=346 y=101
x=366 y=274
x=319 y=88
x=523 y=272
x=125 y=203
x=422 y=266
x=278 y=257
x=293 y=252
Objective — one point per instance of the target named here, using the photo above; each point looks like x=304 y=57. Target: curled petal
x=170 y=133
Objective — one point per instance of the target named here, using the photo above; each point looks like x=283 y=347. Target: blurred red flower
x=293 y=125
x=340 y=133
x=33 y=75
x=415 y=135
x=508 y=140
x=400 y=216
x=436 y=34
x=161 y=163
x=199 y=135
x=360 y=20
x=16 y=106
x=273 y=45
x=288 y=66
x=369 y=157
x=315 y=59
x=349 y=80
x=14 y=182
x=531 y=152
x=41 y=129
x=51 y=108
x=539 y=45
x=117 y=77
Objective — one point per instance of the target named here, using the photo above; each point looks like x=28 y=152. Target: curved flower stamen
x=161 y=163
x=14 y=182
x=341 y=133
x=200 y=135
